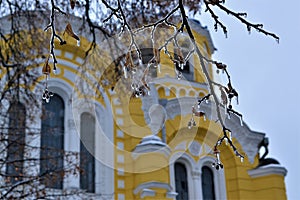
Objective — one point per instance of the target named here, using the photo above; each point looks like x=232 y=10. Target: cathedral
x=116 y=140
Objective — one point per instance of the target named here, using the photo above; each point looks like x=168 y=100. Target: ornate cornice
x=248 y=139
x=267 y=170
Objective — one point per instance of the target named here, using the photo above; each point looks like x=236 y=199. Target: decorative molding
x=159 y=82
x=121 y=184
x=120 y=158
x=147 y=193
x=120 y=133
x=183 y=106
x=152 y=184
x=267 y=170
x=151 y=144
x=121 y=196
x=195 y=148
x=248 y=139
x=171 y=195
x=196 y=174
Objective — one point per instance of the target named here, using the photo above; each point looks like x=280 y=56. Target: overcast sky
x=267 y=76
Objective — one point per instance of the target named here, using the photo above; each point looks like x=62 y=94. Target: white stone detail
x=69 y=55
x=120 y=122
x=267 y=170
x=195 y=148
x=119 y=111
x=120 y=145
x=121 y=184
x=149 y=144
x=121 y=171
x=120 y=134
x=79 y=60
x=147 y=193
x=120 y=158
x=116 y=101
x=57 y=52
x=152 y=184
x=121 y=197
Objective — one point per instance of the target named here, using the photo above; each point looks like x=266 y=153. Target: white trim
x=121 y=184
x=63 y=90
x=120 y=122
x=120 y=145
x=120 y=158
x=151 y=144
x=121 y=196
x=69 y=55
x=153 y=184
x=120 y=133
x=120 y=171
x=147 y=193
x=267 y=170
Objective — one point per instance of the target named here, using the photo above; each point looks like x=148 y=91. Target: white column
x=196 y=176
x=71 y=144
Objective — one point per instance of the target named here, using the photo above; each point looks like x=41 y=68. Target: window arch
x=216 y=179
x=184 y=51
x=181 y=181
x=16 y=142
x=52 y=143
x=87 y=152
x=208 y=188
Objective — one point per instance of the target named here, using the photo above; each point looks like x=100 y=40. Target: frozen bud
x=133 y=70
x=242 y=159
x=194 y=123
x=189 y=125
x=226 y=141
x=179 y=76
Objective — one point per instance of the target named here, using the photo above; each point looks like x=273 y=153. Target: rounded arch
x=218 y=176
x=182 y=92
x=62 y=89
x=191 y=92
x=189 y=163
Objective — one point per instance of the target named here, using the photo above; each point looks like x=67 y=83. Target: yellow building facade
x=143 y=147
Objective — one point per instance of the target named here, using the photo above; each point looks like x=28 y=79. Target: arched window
x=16 y=142
x=184 y=52
x=147 y=56
x=52 y=143
x=181 y=182
x=208 y=188
x=87 y=152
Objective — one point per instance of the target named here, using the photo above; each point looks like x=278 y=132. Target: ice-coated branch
x=237 y=15
x=53 y=32
x=209 y=81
